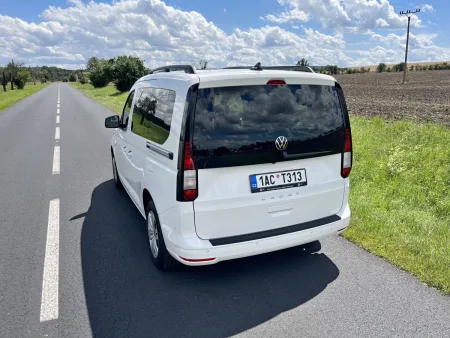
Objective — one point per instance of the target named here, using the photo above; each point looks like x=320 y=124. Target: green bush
x=73 y=77
x=381 y=67
x=126 y=71
x=21 y=79
x=83 y=80
x=100 y=75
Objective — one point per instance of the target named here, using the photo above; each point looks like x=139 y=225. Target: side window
x=127 y=109
x=152 y=114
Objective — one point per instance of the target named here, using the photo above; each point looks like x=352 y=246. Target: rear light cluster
x=347 y=154
x=190 y=191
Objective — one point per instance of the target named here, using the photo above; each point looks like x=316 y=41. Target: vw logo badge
x=281 y=143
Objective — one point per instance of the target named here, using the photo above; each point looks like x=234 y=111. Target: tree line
x=16 y=74
x=382 y=67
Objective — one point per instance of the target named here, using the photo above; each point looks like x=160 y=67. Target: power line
x=409 y=14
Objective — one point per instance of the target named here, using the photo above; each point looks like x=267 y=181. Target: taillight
x=189 y=174
x=347 y=155
x=276 y=82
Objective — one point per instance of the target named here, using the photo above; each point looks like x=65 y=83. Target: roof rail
x=288 y=68
x=187 y=69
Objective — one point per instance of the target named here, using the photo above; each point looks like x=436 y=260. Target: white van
x=230 y=163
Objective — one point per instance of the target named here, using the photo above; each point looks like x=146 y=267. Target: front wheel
x=160 y=256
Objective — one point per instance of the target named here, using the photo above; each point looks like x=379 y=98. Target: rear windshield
x=236 y=126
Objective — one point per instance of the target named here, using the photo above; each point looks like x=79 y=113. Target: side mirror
x=112 y=121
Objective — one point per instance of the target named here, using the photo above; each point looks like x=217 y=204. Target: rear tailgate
x=247 y=182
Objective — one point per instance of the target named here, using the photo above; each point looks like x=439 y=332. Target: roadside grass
x=400 y=190
x=400 y=196
x=108 y=96
x=10 y=97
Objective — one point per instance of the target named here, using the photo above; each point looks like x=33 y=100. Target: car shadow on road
x=127 y=296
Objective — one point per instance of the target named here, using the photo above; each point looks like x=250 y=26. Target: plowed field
x=425 y=97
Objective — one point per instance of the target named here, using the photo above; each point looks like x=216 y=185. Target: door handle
x=129 y=153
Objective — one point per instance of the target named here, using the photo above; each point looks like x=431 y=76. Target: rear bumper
x=203 y=249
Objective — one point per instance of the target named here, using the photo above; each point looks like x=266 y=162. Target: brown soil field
x=425 y=97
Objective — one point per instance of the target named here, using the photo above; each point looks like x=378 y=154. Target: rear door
x=268 y=156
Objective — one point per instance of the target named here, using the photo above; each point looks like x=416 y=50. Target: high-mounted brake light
x=347 y=154
x=276 y=82
x=190 y=174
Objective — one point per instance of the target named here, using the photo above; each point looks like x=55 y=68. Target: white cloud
x=421 y=48
x=294 y=15
x=353 y=16
x=427 y=8
x=161 y=34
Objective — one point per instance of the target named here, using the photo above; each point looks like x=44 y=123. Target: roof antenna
x=257 y=66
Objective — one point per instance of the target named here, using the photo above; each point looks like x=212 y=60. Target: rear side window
x=152 y=114
x=239 y=125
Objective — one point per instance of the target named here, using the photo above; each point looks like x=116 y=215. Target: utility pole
x=409 y=14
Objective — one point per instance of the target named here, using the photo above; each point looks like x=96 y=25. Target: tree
x=203 y=64
x=126 y=70
x=4 y=77
x=21 y=78
x=411 y=68
x=73 y=77
x=399 y=67
x=331 y=69
x=92 y=63
x=303 y=62
x=100 y=75
x=82 y=78
x=381 y=67
x=13 y=69
x=388 y=69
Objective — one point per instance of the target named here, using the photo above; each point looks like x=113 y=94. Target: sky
x=66 y=33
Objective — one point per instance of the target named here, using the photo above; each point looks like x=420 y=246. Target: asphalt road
x=74 y=260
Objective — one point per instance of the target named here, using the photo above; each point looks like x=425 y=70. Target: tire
x=158 y=251
x=116 y=177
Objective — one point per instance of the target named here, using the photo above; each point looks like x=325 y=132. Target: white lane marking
x=57 y=105
x=57 y=111
x=57 y=119
x=57 y=133
x=49 y=300
x=56 y=160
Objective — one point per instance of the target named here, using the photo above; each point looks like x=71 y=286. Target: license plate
x=278 y=180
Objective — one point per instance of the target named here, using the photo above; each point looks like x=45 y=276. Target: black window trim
x=122 y=126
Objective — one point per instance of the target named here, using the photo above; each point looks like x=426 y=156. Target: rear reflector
x=276 y=82
x=197 y=260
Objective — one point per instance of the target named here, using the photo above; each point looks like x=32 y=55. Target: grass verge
x=400 y=196
x=108 y=96
x=10 y=97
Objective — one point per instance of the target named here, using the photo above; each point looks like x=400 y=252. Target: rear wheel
x=117 y=182
x=160 y=256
